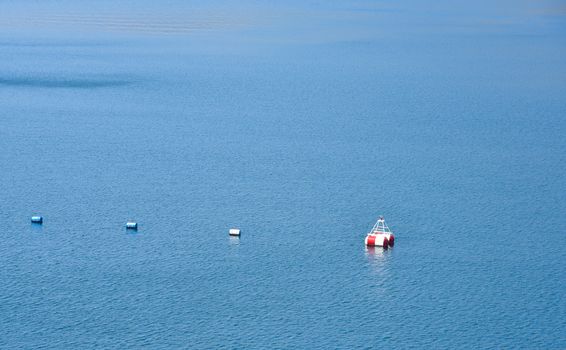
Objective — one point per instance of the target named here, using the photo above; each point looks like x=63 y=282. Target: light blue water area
x=299 y=123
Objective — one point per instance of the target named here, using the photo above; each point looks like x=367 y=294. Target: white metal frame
x=380 y=227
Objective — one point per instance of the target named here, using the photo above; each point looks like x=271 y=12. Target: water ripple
x=57 y=83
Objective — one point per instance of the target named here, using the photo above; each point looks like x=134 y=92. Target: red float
x=380 y=235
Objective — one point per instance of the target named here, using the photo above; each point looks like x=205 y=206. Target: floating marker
x=234 y=232
x=380 y=235
x=378 y=240
x=130 y=225
x=37 y=219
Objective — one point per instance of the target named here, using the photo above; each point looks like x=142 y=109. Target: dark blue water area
x=299 y=124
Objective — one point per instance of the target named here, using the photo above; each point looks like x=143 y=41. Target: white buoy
x=131 y=225
x=234 y=232
x=37 y=219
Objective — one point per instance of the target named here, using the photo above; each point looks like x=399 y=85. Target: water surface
x=300 y=124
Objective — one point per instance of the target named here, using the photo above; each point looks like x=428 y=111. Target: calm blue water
x=301 y=124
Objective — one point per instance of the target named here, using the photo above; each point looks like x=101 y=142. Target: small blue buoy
x=37 y=219
x=130 y=225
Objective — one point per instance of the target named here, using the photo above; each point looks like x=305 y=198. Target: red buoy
x=385 y=243
x=380 y=235
x=370 y=241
